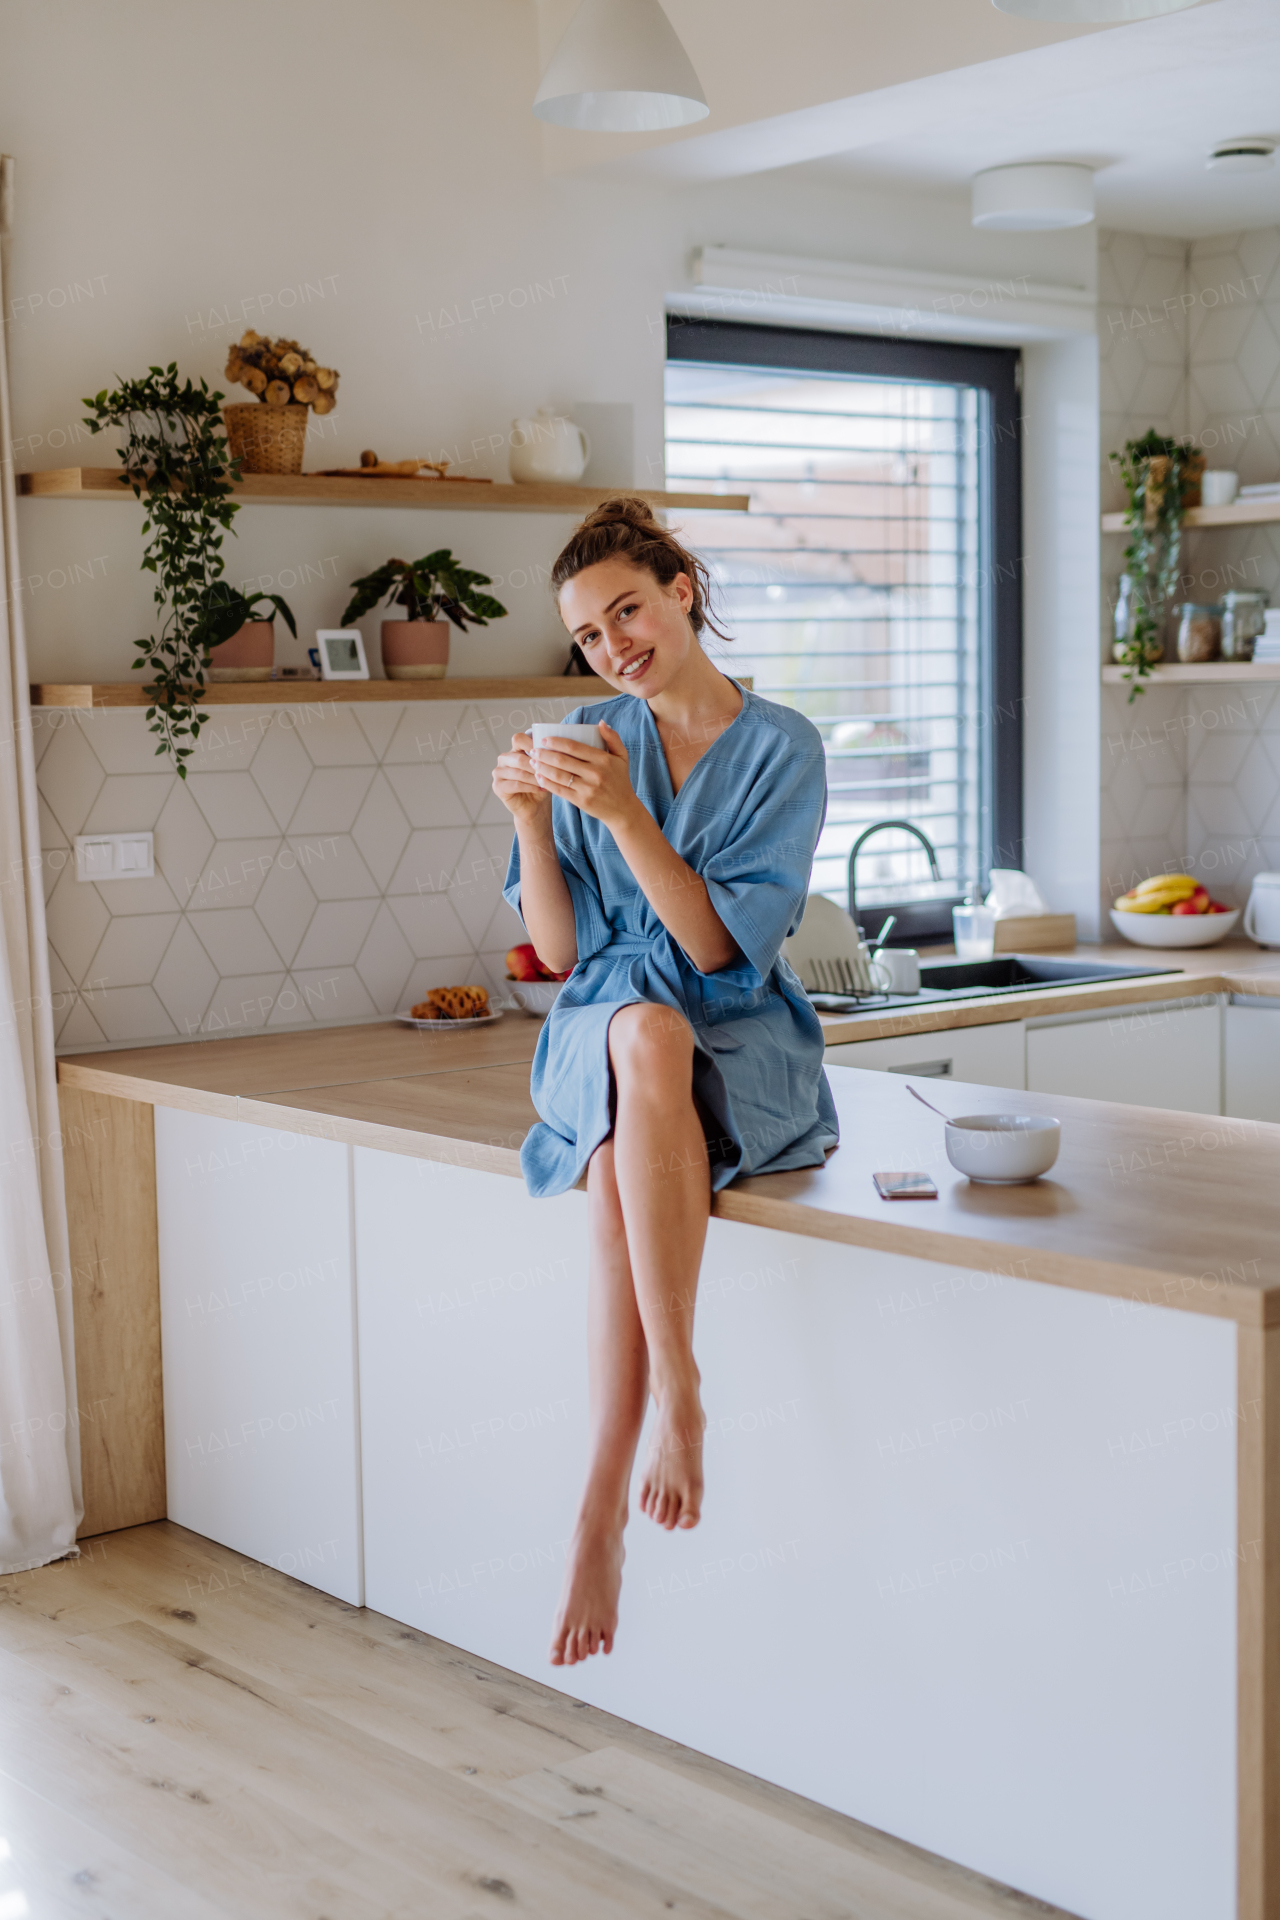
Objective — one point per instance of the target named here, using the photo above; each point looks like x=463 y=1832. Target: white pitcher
x=548 y=447
x=1262 y=915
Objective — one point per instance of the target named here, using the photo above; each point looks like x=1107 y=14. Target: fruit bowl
x=1174 y=929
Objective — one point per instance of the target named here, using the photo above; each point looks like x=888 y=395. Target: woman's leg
x=663 y=1177
x=619 y=1394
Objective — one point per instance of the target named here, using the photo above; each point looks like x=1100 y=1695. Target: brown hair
x=626 y=529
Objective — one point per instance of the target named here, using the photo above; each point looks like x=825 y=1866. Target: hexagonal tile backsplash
x=320 y=864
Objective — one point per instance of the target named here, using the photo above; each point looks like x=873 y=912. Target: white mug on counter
x=897 y=970
x=1262 y=915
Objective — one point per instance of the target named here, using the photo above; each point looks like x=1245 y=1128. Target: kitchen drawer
x=993 y=1056
x=1251 y=1061
x=1151 y=1056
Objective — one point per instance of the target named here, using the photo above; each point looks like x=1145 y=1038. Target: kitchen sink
x=970 y=979
x=1018 y=972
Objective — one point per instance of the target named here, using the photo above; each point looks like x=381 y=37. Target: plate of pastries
x=447 y=1008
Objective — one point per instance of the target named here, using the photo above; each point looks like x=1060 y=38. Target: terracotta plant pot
x=415 y=649
x=247 y=655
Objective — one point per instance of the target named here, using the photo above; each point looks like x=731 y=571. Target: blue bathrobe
x=747 y=820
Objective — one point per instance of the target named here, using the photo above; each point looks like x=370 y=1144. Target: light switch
x=114 y=856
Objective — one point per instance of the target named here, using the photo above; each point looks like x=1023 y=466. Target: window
x=874 y=585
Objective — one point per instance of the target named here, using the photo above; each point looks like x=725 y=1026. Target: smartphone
x=905 y=1186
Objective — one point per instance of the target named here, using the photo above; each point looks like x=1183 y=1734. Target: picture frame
x=342 y=655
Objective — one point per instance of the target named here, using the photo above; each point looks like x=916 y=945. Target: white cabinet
x=1251 y=1060
x=993 y=1056
x=474 y=1399
x=1150 y=1056
x=257 y=1314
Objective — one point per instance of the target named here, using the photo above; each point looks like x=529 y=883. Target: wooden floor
x=189 y=1735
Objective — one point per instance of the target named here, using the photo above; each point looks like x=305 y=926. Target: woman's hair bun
x=626 y=528
x=626 y=509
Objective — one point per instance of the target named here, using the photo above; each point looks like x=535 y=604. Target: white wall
x=372 y=182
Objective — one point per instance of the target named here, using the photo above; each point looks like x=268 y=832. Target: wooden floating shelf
x=318 y=489
x=290 y=693
x=1241 y=513
x=1212 y=673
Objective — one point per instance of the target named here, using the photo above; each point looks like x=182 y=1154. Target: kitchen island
x=989 y=1556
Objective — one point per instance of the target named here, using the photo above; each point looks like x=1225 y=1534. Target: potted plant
x=176 y=459
x=241 y=638
x=270 y=435
x=435 y=591
x=1162 y=480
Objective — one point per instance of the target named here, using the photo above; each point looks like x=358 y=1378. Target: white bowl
x=1174 y=929
x=1002 y=1149
x=533 y=996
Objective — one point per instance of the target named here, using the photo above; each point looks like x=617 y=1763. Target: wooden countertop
x=1154 y=1208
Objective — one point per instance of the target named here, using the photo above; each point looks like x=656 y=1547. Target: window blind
x=856 y=591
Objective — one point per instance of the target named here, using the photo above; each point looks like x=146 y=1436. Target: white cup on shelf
x=1218 y=487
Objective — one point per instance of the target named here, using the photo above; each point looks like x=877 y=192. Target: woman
x=665 y=867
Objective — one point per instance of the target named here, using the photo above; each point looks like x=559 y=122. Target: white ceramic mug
x=1218 y=488
x=897 y=969
x=1262 y=915
x=585 y=732
x=548 y=447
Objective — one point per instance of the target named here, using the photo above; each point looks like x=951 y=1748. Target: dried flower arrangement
x=281 y=372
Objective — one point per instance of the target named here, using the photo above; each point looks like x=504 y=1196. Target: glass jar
x=1199 y=633
x=1130 y=603
x=1244 y=617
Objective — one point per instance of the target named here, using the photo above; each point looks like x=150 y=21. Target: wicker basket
x=267 y=439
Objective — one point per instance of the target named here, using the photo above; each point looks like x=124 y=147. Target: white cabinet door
x=1251 y=1062
x=1153 y=1056
x=991 y=1056
x=257 y=1312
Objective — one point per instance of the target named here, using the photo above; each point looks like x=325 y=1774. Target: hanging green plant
x=175 y=458
x=1162 y=479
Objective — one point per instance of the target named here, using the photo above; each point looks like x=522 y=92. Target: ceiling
x=1141 y=104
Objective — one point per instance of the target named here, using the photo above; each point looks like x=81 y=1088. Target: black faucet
x=882 y=826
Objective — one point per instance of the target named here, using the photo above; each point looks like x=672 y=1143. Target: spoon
x=928 y=1103
x=884 y=933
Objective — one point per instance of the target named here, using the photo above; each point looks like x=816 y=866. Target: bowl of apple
x=534 y=988
x=1172 y=910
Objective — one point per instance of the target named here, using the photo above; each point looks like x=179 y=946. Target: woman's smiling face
x=634 y=632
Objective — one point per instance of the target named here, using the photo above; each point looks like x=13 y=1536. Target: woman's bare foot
x=588 y=1615
x=672 y=1490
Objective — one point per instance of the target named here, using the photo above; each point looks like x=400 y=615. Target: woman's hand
x=515 y=784
x=596 y=779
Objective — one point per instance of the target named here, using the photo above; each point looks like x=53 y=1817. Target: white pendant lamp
x=1033 y=199
x=1099 y=13
x=620 y=68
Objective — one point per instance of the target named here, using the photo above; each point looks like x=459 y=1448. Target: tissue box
x=1035 y=932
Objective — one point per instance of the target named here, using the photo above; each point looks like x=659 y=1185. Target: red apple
x=1216 y=906
x=524 y=964
x=1186 y=906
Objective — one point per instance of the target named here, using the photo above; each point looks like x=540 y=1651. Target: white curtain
x=40 y=1503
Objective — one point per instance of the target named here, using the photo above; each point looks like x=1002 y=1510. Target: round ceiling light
x=1094 y=13
x=620 y=68
x=1033 y=199
x=1242 y=156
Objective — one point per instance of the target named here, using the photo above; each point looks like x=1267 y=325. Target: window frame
x=996 y=372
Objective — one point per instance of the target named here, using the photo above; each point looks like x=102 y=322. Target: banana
x=1180 y=885
x=1131 y=903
